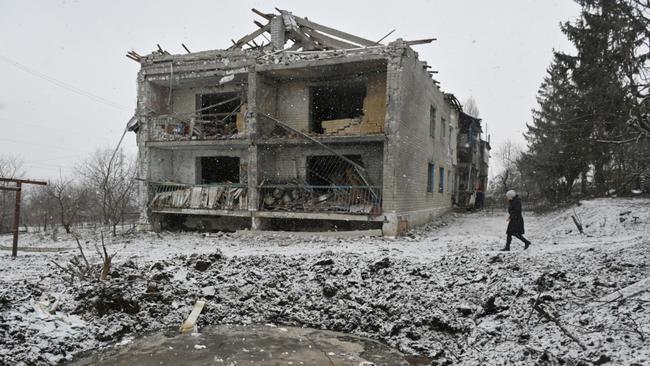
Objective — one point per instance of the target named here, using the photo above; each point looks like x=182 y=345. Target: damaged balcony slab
x=203 y=212
x=323 y=67
x=380 y=137
x=234 y=142
x=317 y=216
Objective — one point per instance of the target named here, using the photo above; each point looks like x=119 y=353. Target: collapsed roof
x=286 y=31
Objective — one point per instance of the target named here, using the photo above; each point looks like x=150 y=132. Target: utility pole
x=18 y=189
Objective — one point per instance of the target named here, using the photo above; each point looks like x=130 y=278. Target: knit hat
x=511 y=194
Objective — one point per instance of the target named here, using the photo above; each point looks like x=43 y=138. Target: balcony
x=167 y=128
x=356 y=200
x=194 y=198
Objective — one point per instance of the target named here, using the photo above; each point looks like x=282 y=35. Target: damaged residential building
x=473 y=159
x=295 y=126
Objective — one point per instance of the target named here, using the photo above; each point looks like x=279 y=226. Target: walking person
x=515 y=221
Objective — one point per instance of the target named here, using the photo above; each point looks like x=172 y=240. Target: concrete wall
x=184 y=98
x=181 y=165
x=411 y=148
x=289 y=100
x=292 y=103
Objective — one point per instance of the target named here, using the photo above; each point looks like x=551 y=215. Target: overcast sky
x=66 y=87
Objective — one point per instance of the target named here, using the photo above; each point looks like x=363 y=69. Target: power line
x=40 y=145
x=52 y=128
x=64 y=85
x=59 y=158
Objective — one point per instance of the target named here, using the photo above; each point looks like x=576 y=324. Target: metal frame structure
x=18 y=189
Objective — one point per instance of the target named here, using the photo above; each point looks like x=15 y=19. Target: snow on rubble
x=443 y=292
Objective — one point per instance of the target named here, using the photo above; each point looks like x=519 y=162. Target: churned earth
x=443 y=294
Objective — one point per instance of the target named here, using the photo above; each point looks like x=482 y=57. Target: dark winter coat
x=516 y=224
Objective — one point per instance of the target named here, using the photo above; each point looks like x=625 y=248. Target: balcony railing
x=231 y=196
x=362 y=200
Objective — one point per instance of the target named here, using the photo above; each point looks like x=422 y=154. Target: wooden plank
x=260 y=25
x=307 y=43
x=327 y=41
x=188 y=324
x=263 y=15
x=623 y=293
x=25 y=181
x=9 y=188
x=335 y=32
x=420 y=41
x=250 y=37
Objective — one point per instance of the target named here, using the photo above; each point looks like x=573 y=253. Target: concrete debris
x=189 y=323
x=208 y=197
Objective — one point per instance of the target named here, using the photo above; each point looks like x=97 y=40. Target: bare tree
x=40 y=207
x=508 y=155
x=470 y=107
x=110 y=175
x=70 y=199
x=10 y=167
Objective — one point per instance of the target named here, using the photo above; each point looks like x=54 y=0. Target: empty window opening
x=218 y=112
x=431 y=175
x=432 y=121
x=331 y=170
x=337 y=101
x=441 y=180
x=218 y=169
x=443 y=127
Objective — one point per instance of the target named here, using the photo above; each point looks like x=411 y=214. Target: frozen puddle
x=249 y=345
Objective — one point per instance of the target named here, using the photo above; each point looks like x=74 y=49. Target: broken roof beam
x=420 y=41
x=335 y=32
x=291 y=26
x=134 y=56
x=263 y=15
x=249 y=37
x=327 y=41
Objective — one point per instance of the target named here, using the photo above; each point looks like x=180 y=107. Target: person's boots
x=526 y=244
x=506 y=248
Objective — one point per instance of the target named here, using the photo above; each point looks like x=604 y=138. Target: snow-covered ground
x=443 y=292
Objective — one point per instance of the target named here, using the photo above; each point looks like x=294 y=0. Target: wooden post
x=14 y=248
x=18 y=189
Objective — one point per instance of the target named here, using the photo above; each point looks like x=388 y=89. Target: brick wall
x=282 y=163
x=180 y=165
x=412 y=146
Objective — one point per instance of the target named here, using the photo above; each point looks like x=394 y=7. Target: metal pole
x=14 y=249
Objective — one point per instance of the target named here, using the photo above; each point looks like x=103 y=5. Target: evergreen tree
x=592 y=105
x=557 y=136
